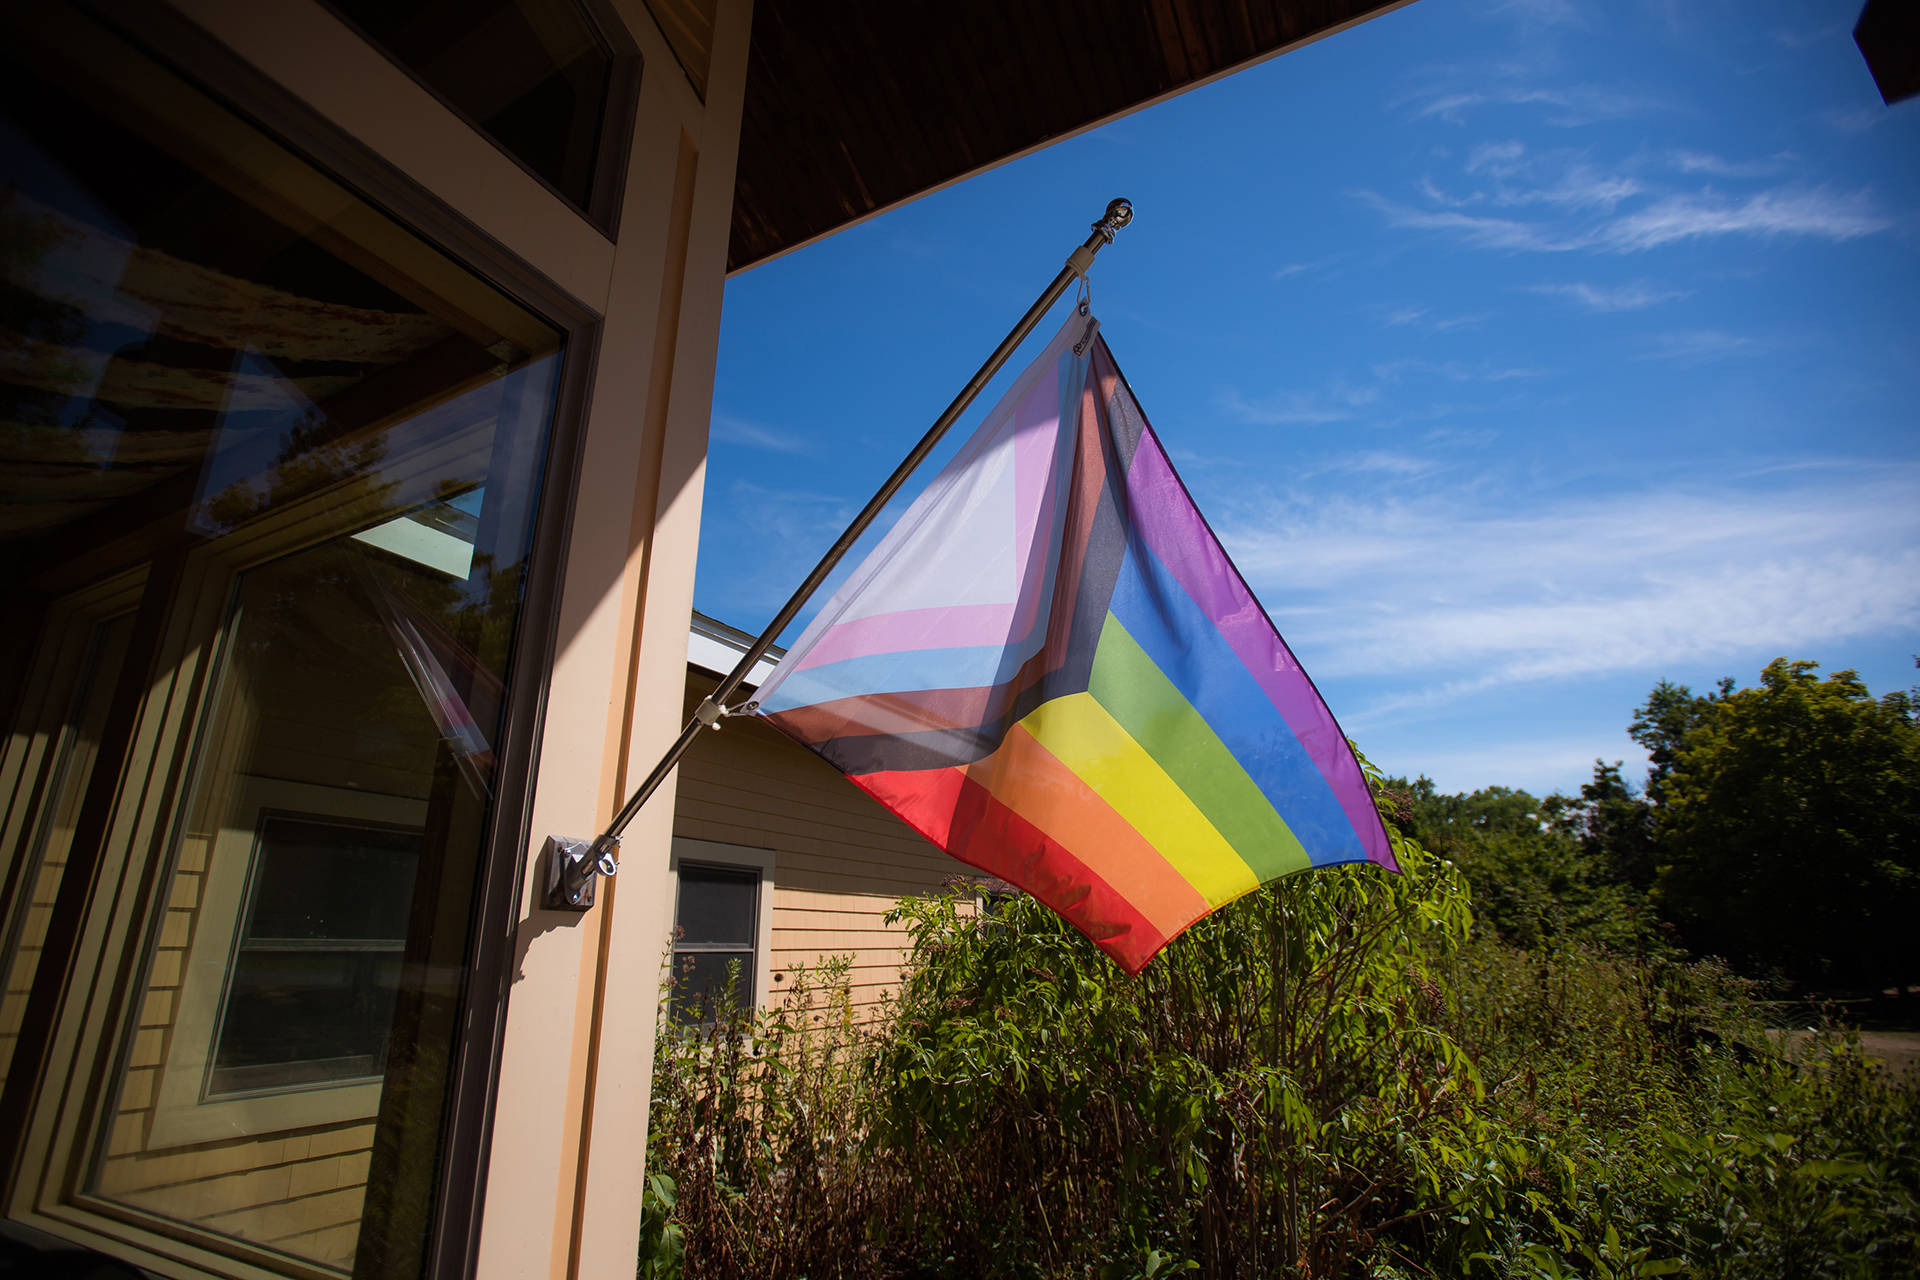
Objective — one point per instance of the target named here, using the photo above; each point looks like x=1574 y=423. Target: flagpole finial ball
x=1119 y=213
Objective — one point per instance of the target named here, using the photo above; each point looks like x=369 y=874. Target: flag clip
x=1086 y=336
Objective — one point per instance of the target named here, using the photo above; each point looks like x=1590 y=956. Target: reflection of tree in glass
x=309 y=461
x=322 y=620
x=38 y=334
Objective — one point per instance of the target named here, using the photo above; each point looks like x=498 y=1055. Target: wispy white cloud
x=1706 y=162
x=1569 y=106
x=1557 y=176
x=1386 y=462
x=1398 y=315
x=1474 y=230
x=1397 y=371
x=1294 y=408
x=1858 y=120
x=1829 y=215
x=769 y=537
x=734 y=430
x=1816 y=212
x=1441 y=596
x=1702 y=346
x=1545 y=13
x=1634 y=295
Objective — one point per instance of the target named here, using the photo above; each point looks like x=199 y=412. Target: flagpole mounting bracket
x=572 y=866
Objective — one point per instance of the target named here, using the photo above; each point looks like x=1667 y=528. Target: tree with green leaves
x=1788 y=822
x=1537 y=878
x=1613 y=823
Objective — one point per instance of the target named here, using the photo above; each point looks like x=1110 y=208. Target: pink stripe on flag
x=956 y=626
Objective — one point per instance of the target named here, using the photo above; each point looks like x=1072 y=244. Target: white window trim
x=732 y=855
x=181 y=1115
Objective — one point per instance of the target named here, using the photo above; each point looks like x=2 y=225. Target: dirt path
x=1898 y=1051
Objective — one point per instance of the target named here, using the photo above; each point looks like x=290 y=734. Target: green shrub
x=1335 y=1076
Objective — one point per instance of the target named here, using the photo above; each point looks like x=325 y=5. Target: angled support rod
x=572 y=864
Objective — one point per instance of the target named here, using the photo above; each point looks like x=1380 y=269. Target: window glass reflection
x=311 y=992
x=318 y=441
x=70 y=752
x=714 y=938
x=533 y=74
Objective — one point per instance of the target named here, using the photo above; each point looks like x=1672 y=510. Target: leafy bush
x=1540 y=870
x=1335 y=1076
x=1273 y=1090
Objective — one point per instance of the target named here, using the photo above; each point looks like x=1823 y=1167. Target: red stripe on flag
x=962 y=817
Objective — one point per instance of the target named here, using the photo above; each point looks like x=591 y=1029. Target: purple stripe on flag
x=1172 y=527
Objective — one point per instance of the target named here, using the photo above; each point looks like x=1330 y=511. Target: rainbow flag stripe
x=1051 y=669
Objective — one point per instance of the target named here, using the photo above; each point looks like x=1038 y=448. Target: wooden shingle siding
x=841 y=861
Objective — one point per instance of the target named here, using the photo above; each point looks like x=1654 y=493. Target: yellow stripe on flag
x=1082 y=736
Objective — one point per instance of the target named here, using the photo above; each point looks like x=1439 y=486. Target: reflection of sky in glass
x=439 y=535
x=79 y=265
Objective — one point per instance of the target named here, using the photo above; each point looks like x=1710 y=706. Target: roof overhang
x=857 y=108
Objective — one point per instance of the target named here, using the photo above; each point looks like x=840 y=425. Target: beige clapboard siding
x=299 y=1191
x=841 y=861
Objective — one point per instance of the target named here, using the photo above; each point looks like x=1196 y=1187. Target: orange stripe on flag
x=1032 y=781
x=948 y=807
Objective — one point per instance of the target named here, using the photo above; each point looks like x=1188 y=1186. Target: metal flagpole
x=571 y=864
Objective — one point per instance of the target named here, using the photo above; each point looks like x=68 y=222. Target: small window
x=317 y=964
x=533 y=75
x=716 y=924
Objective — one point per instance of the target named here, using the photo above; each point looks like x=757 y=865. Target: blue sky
x=1522 y=354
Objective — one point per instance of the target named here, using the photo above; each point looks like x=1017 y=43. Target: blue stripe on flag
x=1190 y=651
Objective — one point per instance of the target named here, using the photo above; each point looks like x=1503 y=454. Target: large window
x=269 y=467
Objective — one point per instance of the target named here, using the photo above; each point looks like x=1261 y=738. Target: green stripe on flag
x=1156 y=715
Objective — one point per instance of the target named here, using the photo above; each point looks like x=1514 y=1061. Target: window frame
x=39 y=735
x=185 y=1114
x=730 y=857
x=85 y=981
x=602 y=209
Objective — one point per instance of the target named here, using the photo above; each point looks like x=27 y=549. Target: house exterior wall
x=556 y=1133
x=841 y=861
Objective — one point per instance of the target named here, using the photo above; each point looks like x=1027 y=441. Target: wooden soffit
x=857 y=106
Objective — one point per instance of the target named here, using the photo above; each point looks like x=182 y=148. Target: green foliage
x=1339 y=1076
x=1799 y=1170
x=1272 y=1091
x=663 y=1242
x=1536 y=875
x=1789 y=823
x=1614 y=825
